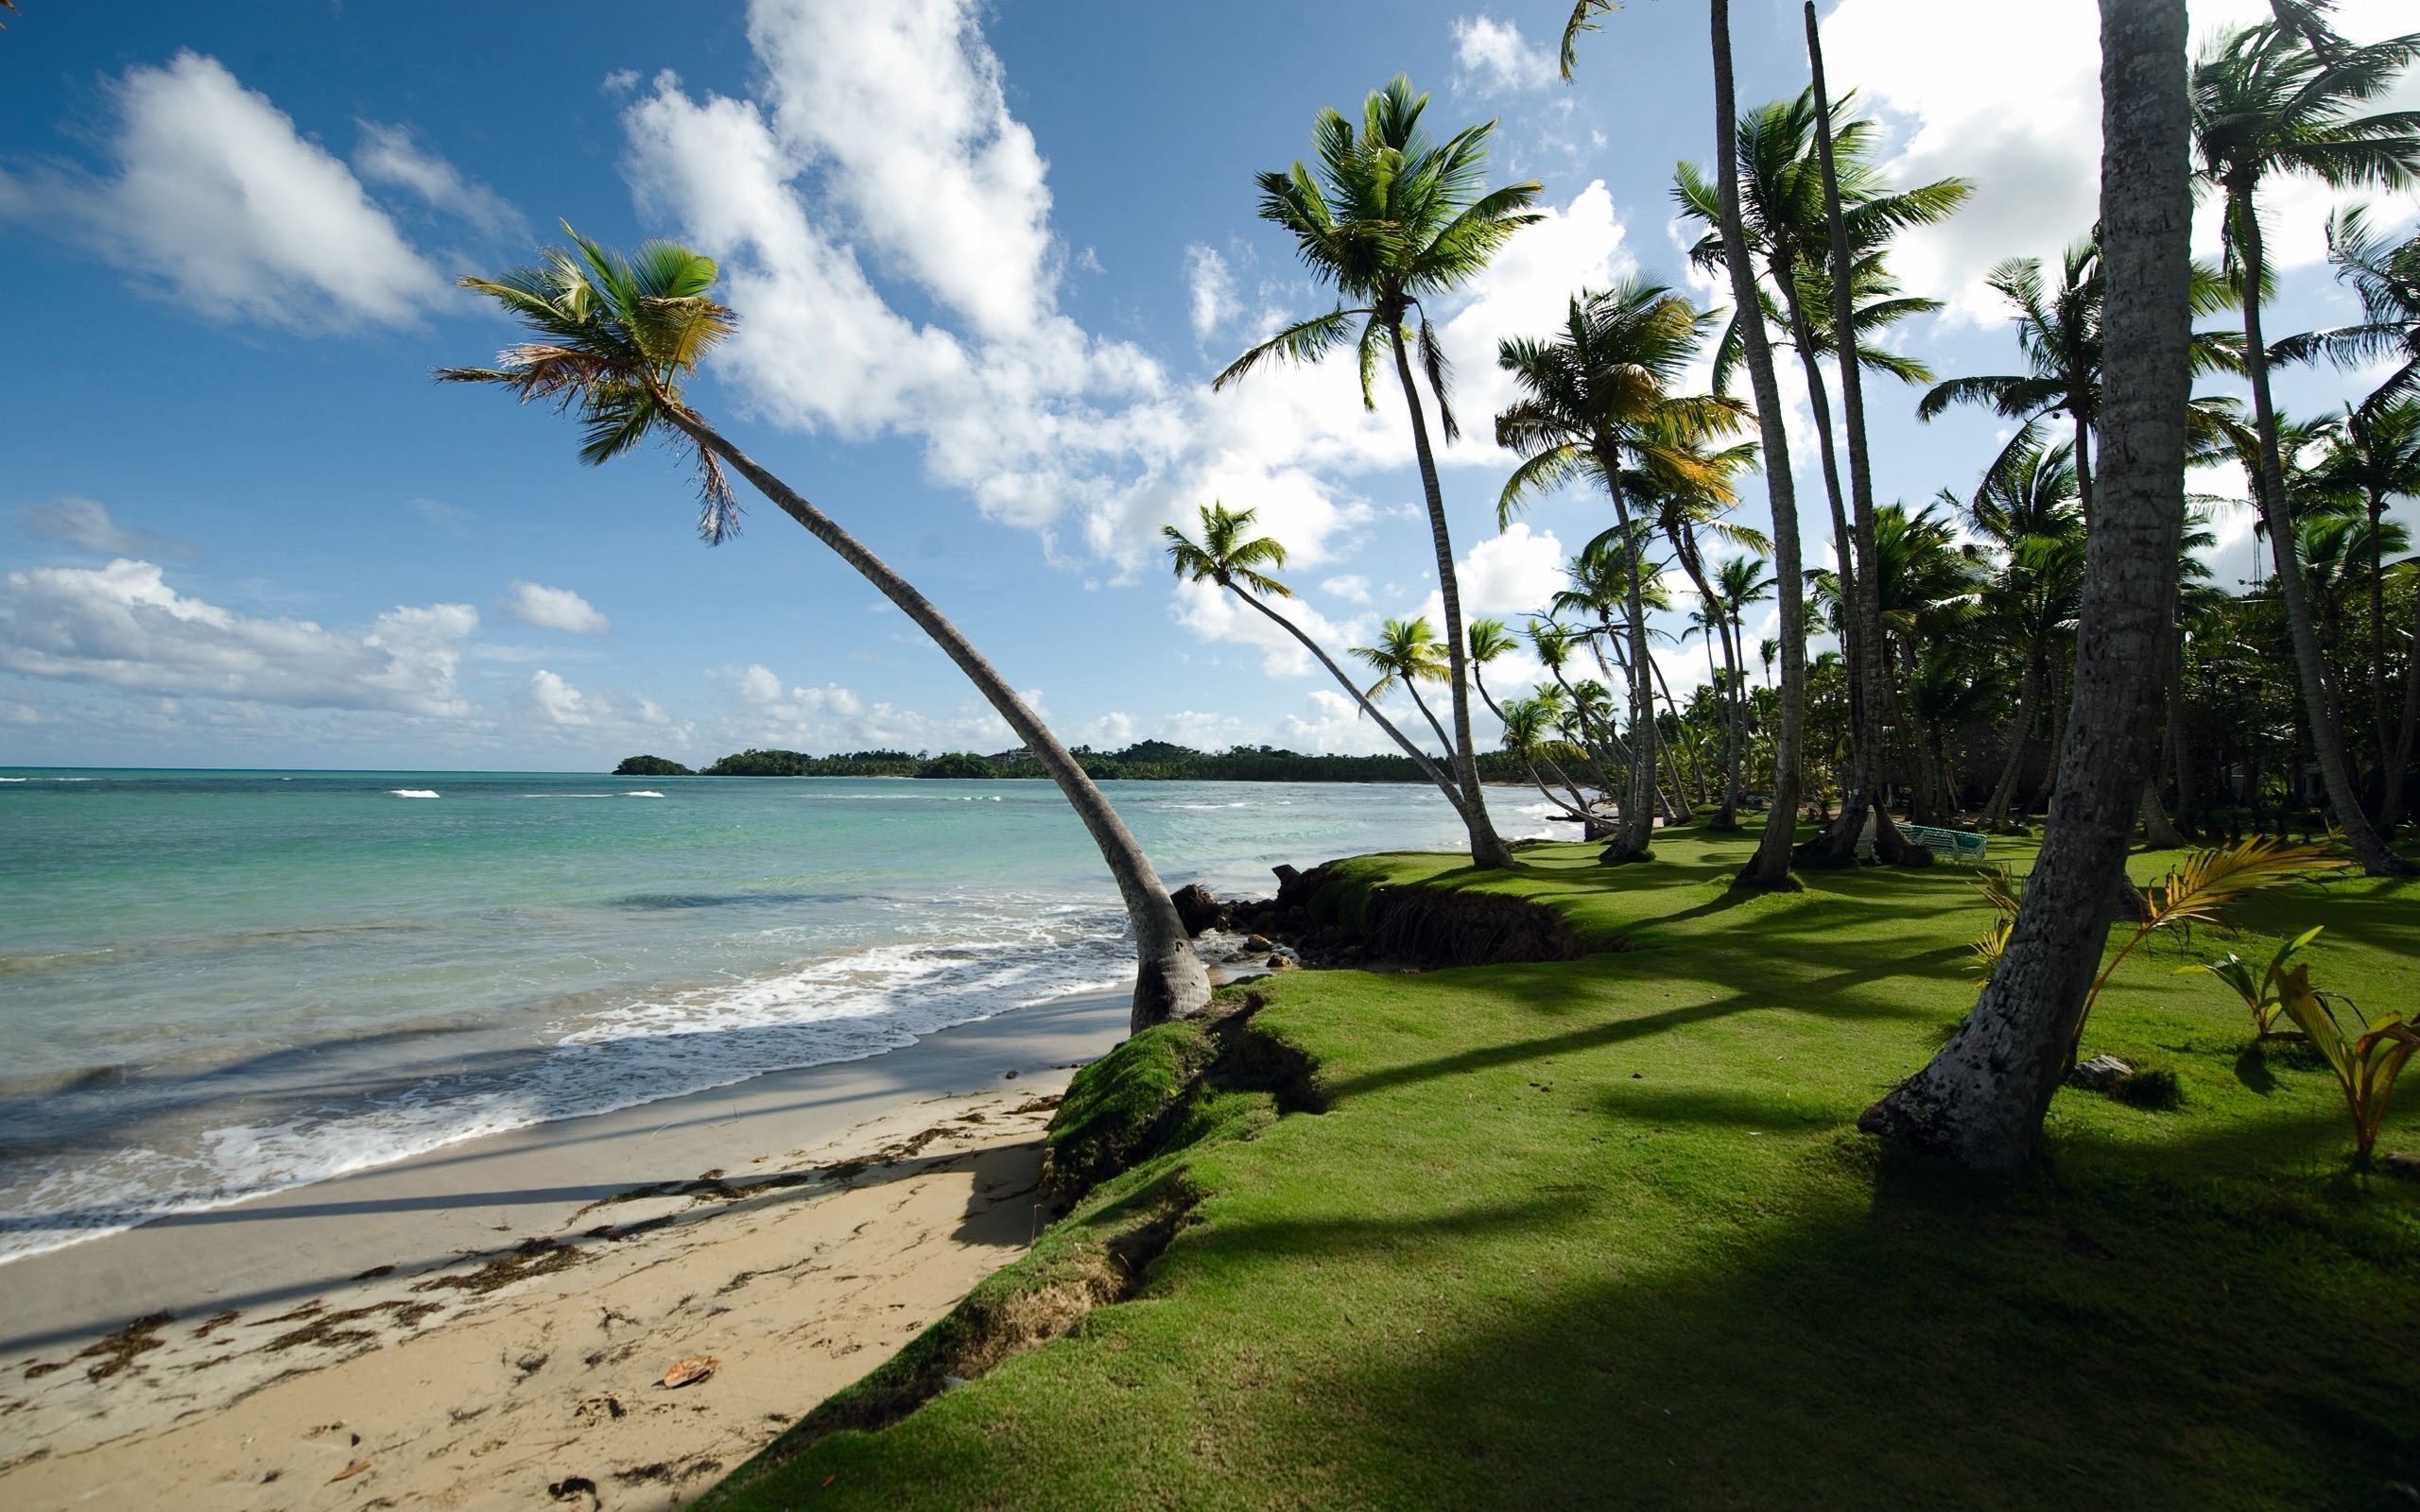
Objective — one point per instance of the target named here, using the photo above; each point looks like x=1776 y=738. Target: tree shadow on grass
x=2072 y=1338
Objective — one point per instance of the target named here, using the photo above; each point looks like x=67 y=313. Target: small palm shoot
x=2263 y=994
x=2193 y=892
x=2367 y=1055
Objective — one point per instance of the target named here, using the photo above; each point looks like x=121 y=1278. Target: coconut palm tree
x=1391 y=218
x=1770 y=867
x=1980 y=1101
x=2387 y=279
x=614 y=338
x=1597 y=402
x=2026 y=510
x=2267 y=102
x=1408 y=654
x=2375 y=456
x=1232 y=556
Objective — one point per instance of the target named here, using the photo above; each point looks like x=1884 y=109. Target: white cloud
x=123 y=626
x=556 y=609
x=220 y=203
x=903 y=105
x=84 y=523
x=1492 y=56
x=548 y=700
x=1112 y=731
x=1510 y=574
x=620 y=81
x=1083 y=440
x=390 y=155
x=1351 y=586
x=1212 y=290
x=2016 y=108
x=832 y=718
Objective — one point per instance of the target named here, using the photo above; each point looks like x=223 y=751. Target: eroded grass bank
x=1600 y=1231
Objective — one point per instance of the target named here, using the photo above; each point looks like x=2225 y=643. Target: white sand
x=284 y=1366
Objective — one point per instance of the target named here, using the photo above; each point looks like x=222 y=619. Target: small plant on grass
x=2367 y=1055
x=2154 y=1089
x=2259 y=993
x=2192 y=892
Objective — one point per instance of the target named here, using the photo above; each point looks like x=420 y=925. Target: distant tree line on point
x=1146 y=760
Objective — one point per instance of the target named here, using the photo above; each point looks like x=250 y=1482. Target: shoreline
x=145 y=1335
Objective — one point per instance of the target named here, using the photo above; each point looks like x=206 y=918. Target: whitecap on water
x=411 y=792
x=642 y=793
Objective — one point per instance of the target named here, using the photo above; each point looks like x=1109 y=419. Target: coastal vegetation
x=1512 y=1235
x=1143 y=761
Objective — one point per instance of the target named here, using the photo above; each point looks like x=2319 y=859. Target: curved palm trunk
x=1866 y=649
x=1169 y=981
x=1980 y=1101
x=1770 y=867
x=2310 y=664
x=1445 y=742
x=1429 y=769
x=1487 y=848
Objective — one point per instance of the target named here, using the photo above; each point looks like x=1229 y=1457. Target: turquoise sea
x=217 y=984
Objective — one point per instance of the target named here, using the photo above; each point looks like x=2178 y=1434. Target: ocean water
x=217 y=983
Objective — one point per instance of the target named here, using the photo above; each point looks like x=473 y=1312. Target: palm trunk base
x=1171 y=984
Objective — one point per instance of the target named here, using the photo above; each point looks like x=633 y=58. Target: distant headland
x=1147 y=760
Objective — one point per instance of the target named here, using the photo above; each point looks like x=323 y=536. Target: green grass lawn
x=1604 y=1232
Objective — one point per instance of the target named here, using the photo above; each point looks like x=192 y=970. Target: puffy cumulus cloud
x=124 y=627
x=1215 y=614
x=904 y=107
x=834 y=718
x=390 y=155
x=218 y=201
x=547 y=699
x=1513 y=574
x=2016 y=108
x=1351 y=586
x=556 y=609
x=1492 y=57
x=85 y=523
x=1083 y=440
x=1113 y=731
x=1212 y=289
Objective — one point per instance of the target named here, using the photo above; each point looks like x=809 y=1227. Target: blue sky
x=987 y=259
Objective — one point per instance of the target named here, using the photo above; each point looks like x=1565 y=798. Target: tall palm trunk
x=1170 y=982
x=1487 y=848
x=1637 y=832
x=2028 y=698
x=1688 y=740
x=2083 y=467
x=1770 y=867
x=1726 y=816
x=2378 y=620
x=1427 y=768
x=1980 y=1101
x=1865 y=740
x=2398 y=771
x=2320 y=706
x=2179 y=745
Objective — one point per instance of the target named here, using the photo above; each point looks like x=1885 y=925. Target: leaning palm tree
x=1232 y=556
x=2265 y=102
x=1597 y=402
x=614 y=338
x=1391 y=218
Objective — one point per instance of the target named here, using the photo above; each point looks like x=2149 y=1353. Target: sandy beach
x=488 y=1326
